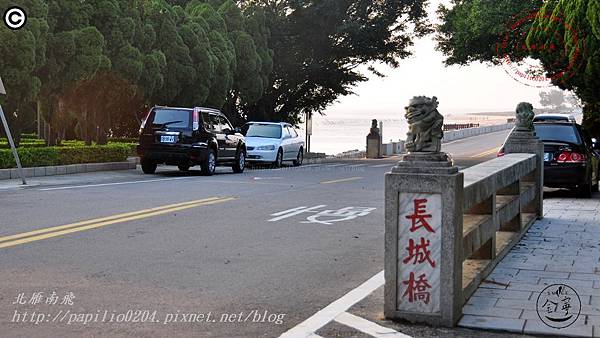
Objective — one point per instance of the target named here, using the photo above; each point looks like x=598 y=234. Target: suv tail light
x=196 y=119
x=143 y=125
x=570 y=157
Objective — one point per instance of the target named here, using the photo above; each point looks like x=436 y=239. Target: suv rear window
x=173 y=118
x=557 y=132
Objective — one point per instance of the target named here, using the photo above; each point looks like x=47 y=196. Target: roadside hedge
x=29 y=136
x=37 y=143
x=48 y=156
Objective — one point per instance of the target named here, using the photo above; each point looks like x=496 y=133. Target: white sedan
x=274 y=143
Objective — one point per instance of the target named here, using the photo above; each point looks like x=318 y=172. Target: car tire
x=585 y=190
x=299 y=158
x=240 y=162
x=149 y=167
x=279 y=159
x=209 y=165
x=183 y=167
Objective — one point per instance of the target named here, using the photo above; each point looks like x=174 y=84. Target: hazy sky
x=474 y=88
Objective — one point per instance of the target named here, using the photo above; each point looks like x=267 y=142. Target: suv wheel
x=148 y=167
x=585 y=190
x=209 y=165
x=183 y=167
x=299 y=158
x=279 y=159
x=240 y=162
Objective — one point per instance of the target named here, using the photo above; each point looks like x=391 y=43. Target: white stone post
x=423 y=240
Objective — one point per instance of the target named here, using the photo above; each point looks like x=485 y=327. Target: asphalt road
x=247 y=255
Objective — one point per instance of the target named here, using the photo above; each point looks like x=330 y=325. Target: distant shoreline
x=506 y=113
x=512 y=113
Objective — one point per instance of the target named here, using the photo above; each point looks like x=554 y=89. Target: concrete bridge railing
x=501 y=200
x=395 y=148
x=447 y=229
x=460 y=134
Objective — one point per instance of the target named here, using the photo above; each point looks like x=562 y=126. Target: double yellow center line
x=61 y=230
x=487 y=153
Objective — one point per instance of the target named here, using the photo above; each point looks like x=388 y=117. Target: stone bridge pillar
x=423 y=226
x=374 y=141
x=423 y=240
x=523 y=140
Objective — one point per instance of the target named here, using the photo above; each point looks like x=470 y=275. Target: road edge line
x=328 y=313
x=366 y=326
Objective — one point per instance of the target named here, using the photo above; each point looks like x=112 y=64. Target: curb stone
x=6 y=174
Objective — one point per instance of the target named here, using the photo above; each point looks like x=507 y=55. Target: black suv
x=190 y=136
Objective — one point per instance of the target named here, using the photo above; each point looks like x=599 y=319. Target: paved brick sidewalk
x=563 y=248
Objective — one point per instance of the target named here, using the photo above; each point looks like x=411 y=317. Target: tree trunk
x=591 y=118
x=51 y=138
x=102 y=138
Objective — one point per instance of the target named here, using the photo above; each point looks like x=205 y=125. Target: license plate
x=547 y=157
x=167 y=139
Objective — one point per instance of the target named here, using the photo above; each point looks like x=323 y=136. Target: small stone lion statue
x=425 y=125
x=374 y=128
x=524 y=117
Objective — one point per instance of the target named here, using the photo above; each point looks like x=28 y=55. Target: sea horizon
x=333 y=135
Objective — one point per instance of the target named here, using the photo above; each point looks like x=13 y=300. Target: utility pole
x=9 y=137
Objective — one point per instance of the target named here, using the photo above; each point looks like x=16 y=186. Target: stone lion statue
x=425 y=125
x=524 y=117
x=374 y=128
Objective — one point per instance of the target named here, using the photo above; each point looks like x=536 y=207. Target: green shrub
x=123 y=140
x=29 y=136
x=25 y=143
x=31 y=143
x=30 y=157
x=47 y=156
x=94 y=154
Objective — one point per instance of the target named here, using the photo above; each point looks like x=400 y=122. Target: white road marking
x=110 y=184
x=368 y=327
x=293 y=212
x=336 y=165
x=160 y=180
x=326 y=315
x=358 y=165
x=382 y=165
x=286 y=211
x=343 y=214
x=308 y=165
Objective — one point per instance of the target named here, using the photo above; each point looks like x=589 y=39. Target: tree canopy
x=564 y=35
x=318 y=46
x=90 y=67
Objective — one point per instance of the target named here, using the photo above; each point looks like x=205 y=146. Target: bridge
x=265 y=241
